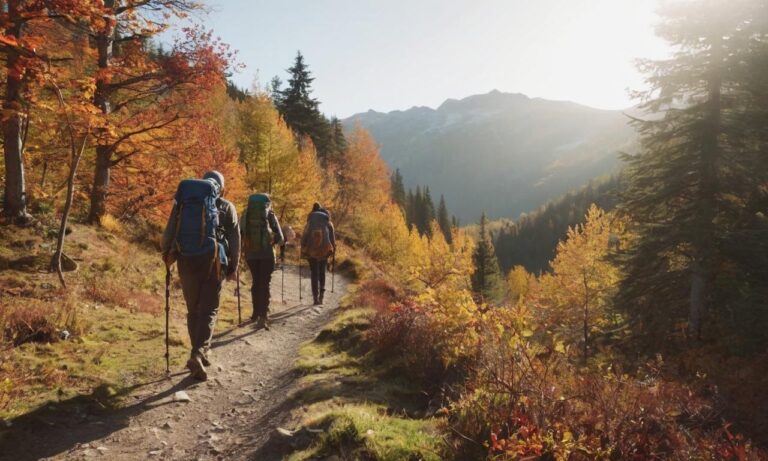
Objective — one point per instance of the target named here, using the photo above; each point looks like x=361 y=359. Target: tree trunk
x=705 y=237
x=100 y=189
x=697 y=307
x=15 y=201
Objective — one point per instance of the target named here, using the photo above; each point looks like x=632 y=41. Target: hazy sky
x=394 y=54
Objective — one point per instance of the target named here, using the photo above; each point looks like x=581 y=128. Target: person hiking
x=203 y=236
x=318 y=242
x=261 y=232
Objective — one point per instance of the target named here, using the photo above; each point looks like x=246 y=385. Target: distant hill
x=532 y=239
x=499 y=152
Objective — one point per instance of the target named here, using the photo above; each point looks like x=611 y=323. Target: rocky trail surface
x=231 y=416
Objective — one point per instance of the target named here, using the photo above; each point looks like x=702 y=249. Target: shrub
x=526 y=399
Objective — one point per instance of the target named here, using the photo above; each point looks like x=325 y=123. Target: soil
x=233 y=415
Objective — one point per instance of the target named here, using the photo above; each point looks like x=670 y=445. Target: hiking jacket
x=277 y=237
x=228 y=232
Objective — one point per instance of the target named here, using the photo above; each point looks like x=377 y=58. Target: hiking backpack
x=197 y=217
x=317 y=241
x=258 y=232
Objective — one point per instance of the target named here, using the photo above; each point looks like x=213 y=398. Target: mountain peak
x=504 y=152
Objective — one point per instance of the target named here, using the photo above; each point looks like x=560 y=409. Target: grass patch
x=367 y=432
x=362 y=410
x=113 y=313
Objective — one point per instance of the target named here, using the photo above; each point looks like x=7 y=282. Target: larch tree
x=274 y=162
x=576 y=299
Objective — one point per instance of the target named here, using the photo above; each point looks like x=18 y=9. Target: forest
x=625 y=320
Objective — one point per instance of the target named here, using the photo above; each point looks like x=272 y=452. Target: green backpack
x=258 y=233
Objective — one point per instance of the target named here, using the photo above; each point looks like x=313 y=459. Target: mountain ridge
x=503 y=153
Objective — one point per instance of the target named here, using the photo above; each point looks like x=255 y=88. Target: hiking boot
x=197 y=369
x=206 y=361
x=262 y=323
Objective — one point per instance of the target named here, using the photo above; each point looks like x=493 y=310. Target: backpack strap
x=203 y=226
x=178 y=227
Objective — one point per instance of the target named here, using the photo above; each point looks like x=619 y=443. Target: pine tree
x=301 y=111
x=428 y=213
x=486 y=280
x=398 y=190
x=338 y=143
x=443 y=220
x=690 y=186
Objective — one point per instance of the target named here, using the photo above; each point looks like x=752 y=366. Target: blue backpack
x=197 y=217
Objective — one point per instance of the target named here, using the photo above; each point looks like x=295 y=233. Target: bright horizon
x=395 y=55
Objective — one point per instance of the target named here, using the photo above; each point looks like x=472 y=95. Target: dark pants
x=317 y=273
x=201 y=286
x=261 y=271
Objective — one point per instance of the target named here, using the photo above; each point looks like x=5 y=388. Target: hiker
x=318 y=242
x=203 y=236
x=261 y=231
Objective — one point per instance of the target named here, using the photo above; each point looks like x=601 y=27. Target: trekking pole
x=300 y=273
x=167 y=318
x=282 y=273
x=239 y=310
x=333 y=271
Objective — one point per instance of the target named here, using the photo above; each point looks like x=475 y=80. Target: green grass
x=362 y=411
x=114 y=309
x=366 y=431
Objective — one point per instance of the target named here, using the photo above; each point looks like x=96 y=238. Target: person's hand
x=168 y=259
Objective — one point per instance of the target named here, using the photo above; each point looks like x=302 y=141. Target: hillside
x=499 y=152
x=532 y=239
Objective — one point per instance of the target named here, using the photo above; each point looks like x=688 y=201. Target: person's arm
x=232 y=229
x=279 y=239
x=169 y=234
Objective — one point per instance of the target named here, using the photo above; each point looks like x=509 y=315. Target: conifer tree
x=486 y=280
x=427 y=213
x=301 y=111
x=690 y=185
x=338 y=141
x=398 y=190
x=443 y=220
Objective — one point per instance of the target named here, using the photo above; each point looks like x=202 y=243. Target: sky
x=395 y=54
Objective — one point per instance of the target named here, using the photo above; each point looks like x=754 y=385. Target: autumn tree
x=363 y=185
x=132 y=80
x=518 y=283
x=26 y=42
x=576 y=299
x=274 y=162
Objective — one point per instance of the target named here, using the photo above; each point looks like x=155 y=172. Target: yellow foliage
x=110 y=223
x=518 y=282
x=575 y=300
x=274 y=163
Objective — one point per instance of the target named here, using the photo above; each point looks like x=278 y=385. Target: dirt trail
x=231 y=416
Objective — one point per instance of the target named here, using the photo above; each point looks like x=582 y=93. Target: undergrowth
x=359 y=406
